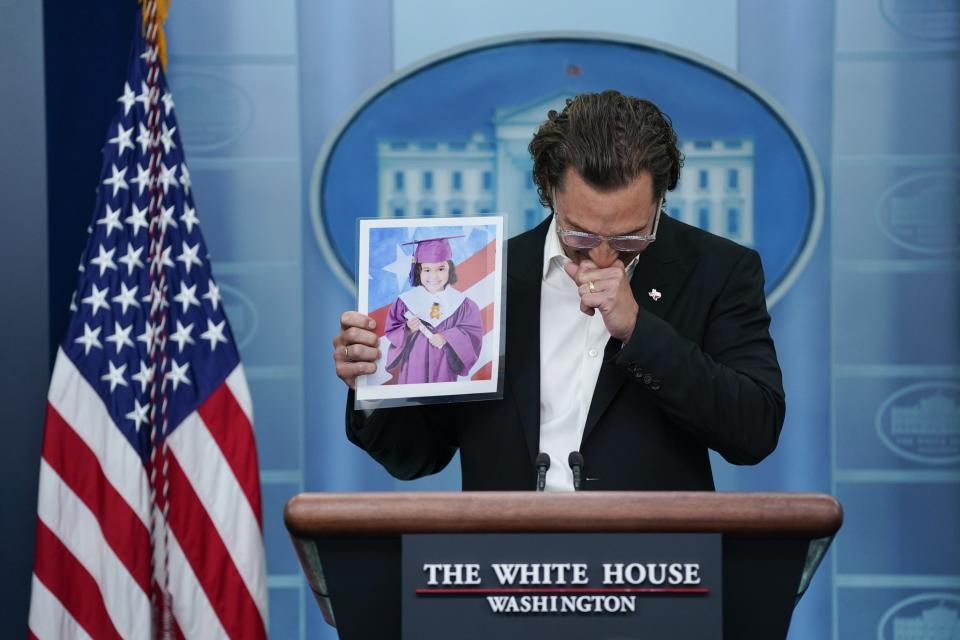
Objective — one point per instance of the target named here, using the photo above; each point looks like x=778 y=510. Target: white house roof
x=531 y=113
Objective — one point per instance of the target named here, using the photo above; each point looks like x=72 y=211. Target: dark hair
x=609 y=139
x=451 y=280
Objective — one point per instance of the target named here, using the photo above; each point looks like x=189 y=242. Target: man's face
x=629 y=210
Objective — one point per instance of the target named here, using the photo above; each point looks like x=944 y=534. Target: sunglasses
x=584 y=240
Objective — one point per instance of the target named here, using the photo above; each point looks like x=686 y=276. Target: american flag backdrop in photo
x=149 y=513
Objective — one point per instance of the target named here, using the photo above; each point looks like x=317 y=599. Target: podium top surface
x=803 y=515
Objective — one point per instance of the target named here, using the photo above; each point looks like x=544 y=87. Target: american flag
x=149 y=514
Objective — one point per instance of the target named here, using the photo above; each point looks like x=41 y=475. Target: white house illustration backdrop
x=467 y=177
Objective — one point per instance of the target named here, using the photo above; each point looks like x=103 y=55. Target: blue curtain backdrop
x=867 y=335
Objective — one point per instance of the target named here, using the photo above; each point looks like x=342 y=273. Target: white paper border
x=420 y=393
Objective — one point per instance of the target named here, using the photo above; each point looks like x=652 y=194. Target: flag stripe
x=80 y=406
x=78 y=532
x=476 y=267
x=209 y=559
x=482 y=291
x=380 y=317
x=483 y=373
x=237 y=382
x=76 y=464
x=192 y=610
x=218 y=490
x=487 y=315
x=233 y=433
x=49 y=619
x=71 y=584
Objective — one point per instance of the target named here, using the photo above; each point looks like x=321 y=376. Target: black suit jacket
x=699 y=372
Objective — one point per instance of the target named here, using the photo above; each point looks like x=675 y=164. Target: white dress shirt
x=571 y=354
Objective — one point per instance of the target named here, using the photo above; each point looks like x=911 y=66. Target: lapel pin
x=655 y=295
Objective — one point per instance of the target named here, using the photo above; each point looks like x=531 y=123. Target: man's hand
x=606 y=290
x=438 y=340
x=355 y=349
x=413 y=323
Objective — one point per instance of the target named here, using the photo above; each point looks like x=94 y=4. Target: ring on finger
x=592 y=288
x=346 y=354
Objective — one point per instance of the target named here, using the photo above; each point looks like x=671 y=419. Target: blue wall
x=869 y=327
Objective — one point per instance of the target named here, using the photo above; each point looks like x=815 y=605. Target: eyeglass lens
x=591 y=241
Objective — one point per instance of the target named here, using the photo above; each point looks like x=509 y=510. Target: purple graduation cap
x=430 y=250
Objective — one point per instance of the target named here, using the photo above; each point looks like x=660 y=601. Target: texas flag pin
x=655 y=295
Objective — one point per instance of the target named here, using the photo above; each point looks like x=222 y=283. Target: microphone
x=543 y=463
x=576 y=465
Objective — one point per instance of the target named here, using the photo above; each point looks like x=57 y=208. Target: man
x=633 y=338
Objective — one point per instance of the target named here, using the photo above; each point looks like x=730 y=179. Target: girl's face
x=434 y=276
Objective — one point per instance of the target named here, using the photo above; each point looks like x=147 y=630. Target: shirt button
x=592 y=353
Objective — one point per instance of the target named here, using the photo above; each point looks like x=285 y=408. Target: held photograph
x=434 y=288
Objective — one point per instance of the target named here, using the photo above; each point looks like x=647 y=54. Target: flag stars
x=116 y=180
x=143 y=138
x=187 y=296
x=111 y=219
x=144 y=376
x=115 y=375
x=168 y=177
x=126 y=297
x=189 y=216
x=157 y=295
x=132 y=261
x=122 y=139
x=167 y=100
x=121 y=337
x=139 y=414
x=142 y=180
x=149 y=54
x=185 y=181
x=127 y=98
x=214 y=333
x=213 y=294
x=182 y=336
x=97 y=299
x=90 y=339
x=166 y=218
x=147 y=337
x=104 y=260
x=137 y=218
x=163 y=259
x=144 y=96
x=188 y=256
x=177 y=374
x=166 y=137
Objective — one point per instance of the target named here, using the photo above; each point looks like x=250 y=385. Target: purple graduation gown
x=415 y=360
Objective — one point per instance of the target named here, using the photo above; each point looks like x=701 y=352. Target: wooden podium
x=349 y=544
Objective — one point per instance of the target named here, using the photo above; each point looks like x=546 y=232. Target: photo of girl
x=435 y=332
x=433 y=289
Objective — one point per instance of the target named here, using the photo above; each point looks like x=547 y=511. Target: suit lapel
x=656 y=281
x=525 y=275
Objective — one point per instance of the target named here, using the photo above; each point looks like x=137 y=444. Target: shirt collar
x=554 y=257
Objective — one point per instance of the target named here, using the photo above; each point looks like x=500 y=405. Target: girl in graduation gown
x=435 y=331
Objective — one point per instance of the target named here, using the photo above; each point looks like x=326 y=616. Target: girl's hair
x=451 y=280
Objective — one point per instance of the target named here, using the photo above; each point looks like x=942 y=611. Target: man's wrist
x=628 y=331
